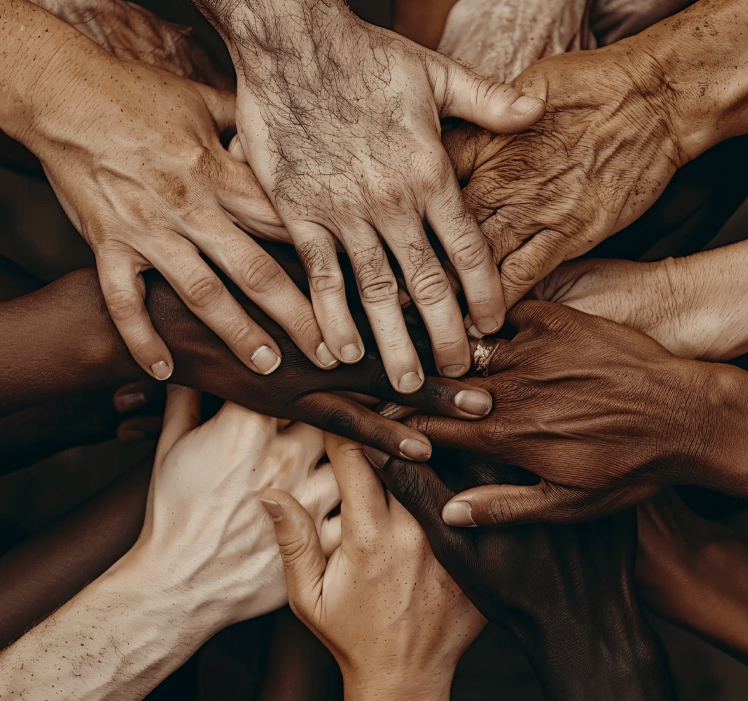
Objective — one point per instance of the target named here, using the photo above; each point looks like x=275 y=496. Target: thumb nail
x=458 y=513
x=525 y=104
x=273 y=508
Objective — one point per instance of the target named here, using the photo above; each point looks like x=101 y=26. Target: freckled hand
x=340 y=122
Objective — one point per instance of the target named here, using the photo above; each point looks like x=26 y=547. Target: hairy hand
x=599 y=158
x=340 y=122
x=602 y=413
x=394 y=619
x=566 y=592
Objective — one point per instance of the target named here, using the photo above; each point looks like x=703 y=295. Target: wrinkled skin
x=694 y=573
x=603 y=414
x=566 y=592
x=340 y=122
x=394 y=619
x=598 y=159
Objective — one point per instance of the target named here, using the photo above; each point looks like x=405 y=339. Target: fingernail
x=473 y=401
x=130 y=402
x=487 y=324
x=412 y=449
x=410 y=382
x=377 y=458
x=265 y=359
x=128 y=435
x=161 y=370
x=324 y=356
x=458 y=513
x=474 y=332
x=351 y=353
x=525 y=103
x=454 y=370
x=273 y=508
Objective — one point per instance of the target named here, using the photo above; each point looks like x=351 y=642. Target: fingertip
x=161 y=370
x=458 y=513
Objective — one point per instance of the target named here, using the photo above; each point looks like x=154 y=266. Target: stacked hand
x=394 y=619
x=565 y=592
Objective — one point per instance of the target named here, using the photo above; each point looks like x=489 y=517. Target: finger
x=349 y=419
x=379 y=295
x=530 y=263
x=181 y=415
x=236 y=151
x=321 y=495
x=303 y=559
x=431 y=292
x=364 y=506
x=260 y=277
x=220 y=103
x=136 y=395
x=315 y=247
x=139 y=428
x=124 y=293
x=208 y=299
x=468 y=251
x=416 y=487
x=494 y=106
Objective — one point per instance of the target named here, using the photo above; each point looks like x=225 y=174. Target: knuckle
x=201 y=288
x=122 y=304
x=260 y=272
x=295 y=547
x=469 y=253
x=519 y=271
x=326 y=282
x=430 y=286
x=379 y=288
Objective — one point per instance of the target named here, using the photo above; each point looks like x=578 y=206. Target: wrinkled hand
x=598 y=159
x=132 y=33
x=394 y=619
x=340 y=122
x=205 y=525
x=566 y=592
x=137 y=163
x=602 y=413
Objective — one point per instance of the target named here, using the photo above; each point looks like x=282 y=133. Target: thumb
x=494 y=106
x=303 y=559
x=221 y=104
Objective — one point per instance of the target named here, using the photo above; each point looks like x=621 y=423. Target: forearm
x=702 y=56
x=116 y=640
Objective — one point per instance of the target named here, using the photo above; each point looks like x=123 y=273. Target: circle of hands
x=356 y=163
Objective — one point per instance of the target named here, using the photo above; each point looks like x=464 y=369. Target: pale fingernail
x=525 y=103
x=377 y=458
x=265 y=359
x=412 y=449
x=410 y=382
x=273 y=508
x=487 y=324
x=324 y=356
x=454 y=370
x=351 y=353
x=161 y=370
x=474 y=402
x=130 y=402
x=474 y=332
x=458 y=513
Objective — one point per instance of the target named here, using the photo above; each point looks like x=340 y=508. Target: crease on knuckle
x=201 y=288
x=260 y=272
x=376 y=289
x=430 y=286
x=123 y=305
x=469 y=253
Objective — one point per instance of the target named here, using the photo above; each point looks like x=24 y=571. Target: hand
x=603 y=414
x=132 y=33
x=394 y=619
x=600 y=157
x=693 y=572
x=165 y=194
x=340 y=122
x=566 y=592
x=205 y=525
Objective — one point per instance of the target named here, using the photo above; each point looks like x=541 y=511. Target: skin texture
x=566 y=592
x=77 y=348
x=603 y=414
x=206 y=558
x=620 y=121
x=168 y=177
x=694 y=306
x=340 y=122
x=393 y=618
x=694 y=573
